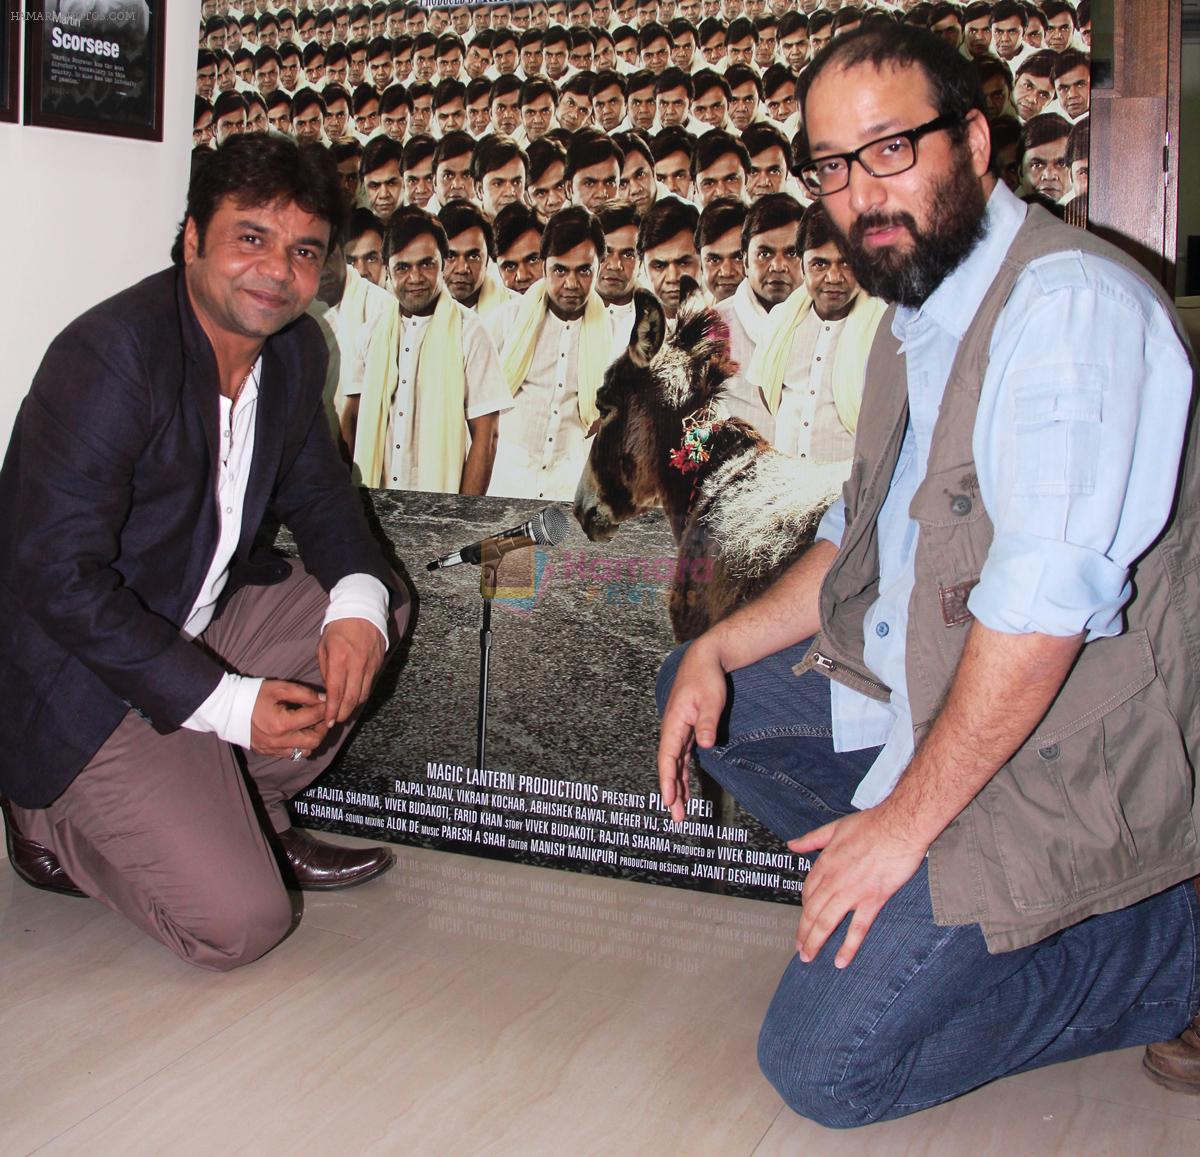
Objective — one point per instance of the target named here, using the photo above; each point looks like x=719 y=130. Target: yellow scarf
x=770 y=360
x=595 y=347
x=439 y=422
x=494 y=298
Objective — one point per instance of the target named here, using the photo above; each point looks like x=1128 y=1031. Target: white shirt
x=228 y=710
x=543 y=444
x=486 y=392
x=621 y=318
x=807 y=424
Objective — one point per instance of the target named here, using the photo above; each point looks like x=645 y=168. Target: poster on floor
x=468 y=387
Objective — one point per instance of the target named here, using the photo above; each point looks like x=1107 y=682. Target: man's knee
x=818 y=1072
x=236 y=932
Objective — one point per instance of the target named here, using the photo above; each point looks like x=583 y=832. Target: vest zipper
x=829 y=667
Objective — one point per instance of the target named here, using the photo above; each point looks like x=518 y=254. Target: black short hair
x=1007 y=9
x=608 y=78
x=666 y=218
x=513 y=222
x=739 y=28
x=447 y=43
x=306 y=98
x=494 y=152
x=380 y=151
x=1069 y=59
x=459 y=216
x=364 y=94
x=226 y=103
x=706 y=80
x=408 y=223
x=770 y=212
x=710 y=26
x=717 y=218
x=953 y=82
x=536 y=87
x=775 y=77
x=482 y=87
x=394 y=96
x=815 y=229
x=541 y=154
x=502 y=86
x=649 y=33
x=590 y=148
x=614 y=215
x=571 y=226
x=448 y=91
x=362 y=221
x=634 y=141
x=738 y=74
x=636 y=81
x=672 y=140
x=1044 y=127
x=673 y=78
x=1053 y=8
x=255 y=169
x=264 y=56
x=713 y=145
x=793 y=21
x=760 y=136
x=456 y=143
x=1040 y=64
x=416 y=151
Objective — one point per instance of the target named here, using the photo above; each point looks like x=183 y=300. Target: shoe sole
x=1175 y=1084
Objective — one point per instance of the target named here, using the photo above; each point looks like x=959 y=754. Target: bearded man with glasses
x=974 y=695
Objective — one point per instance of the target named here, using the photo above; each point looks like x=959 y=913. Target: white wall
x=83 y=216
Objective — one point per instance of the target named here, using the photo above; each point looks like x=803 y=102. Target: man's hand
x=350 y=654
x=287 y=716
x=865 y=862
x=690 y=719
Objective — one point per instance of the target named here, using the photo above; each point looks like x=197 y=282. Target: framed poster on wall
x=96 y=66
x=9 y=59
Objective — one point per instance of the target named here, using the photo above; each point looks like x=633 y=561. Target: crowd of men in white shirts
x=517 y=170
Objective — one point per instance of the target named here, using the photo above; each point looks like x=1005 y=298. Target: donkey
x=740 y=511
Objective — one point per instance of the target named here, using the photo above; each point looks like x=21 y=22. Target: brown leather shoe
x=314 y=865
x=38 y=866
x=1175 y=1064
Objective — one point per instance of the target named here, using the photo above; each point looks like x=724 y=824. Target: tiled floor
x=462 y=1006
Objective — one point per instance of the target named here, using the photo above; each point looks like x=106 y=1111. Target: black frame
x=148 y=127
x=10 y=60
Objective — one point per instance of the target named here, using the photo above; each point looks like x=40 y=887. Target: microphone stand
x=488 y=565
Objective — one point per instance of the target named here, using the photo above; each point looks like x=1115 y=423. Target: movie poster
x=578 y=628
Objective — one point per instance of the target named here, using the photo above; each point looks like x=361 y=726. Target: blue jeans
x=925 y=1013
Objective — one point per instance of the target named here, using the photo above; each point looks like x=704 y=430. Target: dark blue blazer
x=108 y=523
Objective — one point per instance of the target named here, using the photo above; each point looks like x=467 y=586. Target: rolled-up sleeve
x=1081 y=424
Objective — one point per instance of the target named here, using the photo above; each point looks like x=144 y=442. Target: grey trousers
x=165 y=829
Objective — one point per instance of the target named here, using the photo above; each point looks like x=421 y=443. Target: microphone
x=546 y=528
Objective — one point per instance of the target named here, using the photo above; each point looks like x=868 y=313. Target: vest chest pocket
x=955 y=534
x=1057 y=430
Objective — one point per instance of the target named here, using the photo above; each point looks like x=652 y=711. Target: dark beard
x=956 y=226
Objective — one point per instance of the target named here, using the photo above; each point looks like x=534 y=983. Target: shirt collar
x=953 y=305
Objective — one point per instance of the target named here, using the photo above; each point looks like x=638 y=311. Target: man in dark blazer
x=143 y=638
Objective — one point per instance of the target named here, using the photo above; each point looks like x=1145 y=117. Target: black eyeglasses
x=886 y=157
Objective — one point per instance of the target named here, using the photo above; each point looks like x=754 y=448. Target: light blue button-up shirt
x=1077 y=443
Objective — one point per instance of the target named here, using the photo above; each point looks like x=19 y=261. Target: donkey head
x=647 y=392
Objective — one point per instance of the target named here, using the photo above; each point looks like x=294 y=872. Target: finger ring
x=297 y=754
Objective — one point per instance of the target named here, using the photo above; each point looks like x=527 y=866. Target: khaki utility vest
x=1098 y=808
